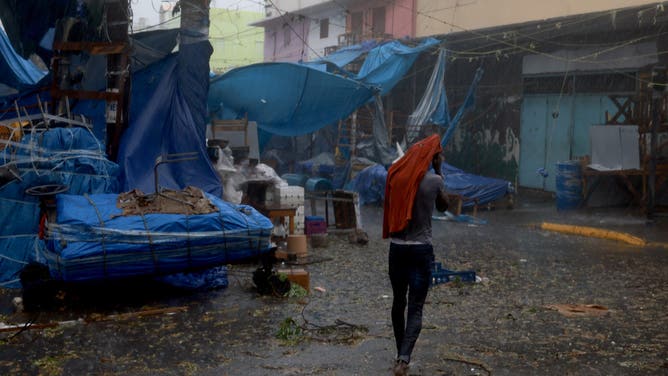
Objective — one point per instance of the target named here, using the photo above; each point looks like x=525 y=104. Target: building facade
x=551 y=73
x=306 y=30
x=234 y=42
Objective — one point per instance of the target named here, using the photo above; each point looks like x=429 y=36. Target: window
x=324 y=28
x=287 y=33
x=378 y=21
x=356 y=23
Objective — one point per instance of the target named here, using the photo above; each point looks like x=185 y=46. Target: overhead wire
x=520 y=47
x=289 y=24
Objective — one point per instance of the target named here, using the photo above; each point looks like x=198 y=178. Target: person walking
x=411 y=191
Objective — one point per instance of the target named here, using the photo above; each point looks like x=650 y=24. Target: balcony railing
x=349 y=39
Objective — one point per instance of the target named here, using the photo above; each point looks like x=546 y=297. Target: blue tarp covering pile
x=370 y=184
x=93 y=240
x=473 y=187
x=69 y=156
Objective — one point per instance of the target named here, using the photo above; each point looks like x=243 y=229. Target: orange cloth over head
x=403 y=180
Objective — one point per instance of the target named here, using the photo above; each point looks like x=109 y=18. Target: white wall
x=337 y=26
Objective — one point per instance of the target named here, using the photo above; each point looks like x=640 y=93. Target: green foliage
x=289 y=332
x=296 y=291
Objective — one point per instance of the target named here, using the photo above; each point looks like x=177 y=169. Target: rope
x=150 y=244
x=104 y=249
x=188 y=240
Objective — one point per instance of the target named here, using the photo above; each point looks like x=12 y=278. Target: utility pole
x=193 y=60
x=658 y=83
x=194 y=19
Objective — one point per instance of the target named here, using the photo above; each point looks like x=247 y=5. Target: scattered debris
x=358 y=236
x=579 y=310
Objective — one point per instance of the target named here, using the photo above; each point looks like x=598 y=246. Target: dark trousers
x=410 y=272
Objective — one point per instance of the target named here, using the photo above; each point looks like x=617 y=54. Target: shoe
x=400 y=368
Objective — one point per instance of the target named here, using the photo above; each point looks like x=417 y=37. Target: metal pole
x=651 y=198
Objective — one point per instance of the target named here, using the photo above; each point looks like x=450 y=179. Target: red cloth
x=403 y=180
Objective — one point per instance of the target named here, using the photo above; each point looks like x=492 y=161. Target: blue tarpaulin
x=92 y=239
x=386 y=64
x=16 y=73
x=168 y=116
x=370 y=184
x=69 y=156
x=469 y=101
x=343 y=56
x=291 y=99
x=474 y=188
x=284 y=98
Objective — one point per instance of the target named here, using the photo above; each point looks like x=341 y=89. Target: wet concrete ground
x=501 y=326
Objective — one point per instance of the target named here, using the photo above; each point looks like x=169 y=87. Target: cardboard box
x=298 y=276
x=281 y=254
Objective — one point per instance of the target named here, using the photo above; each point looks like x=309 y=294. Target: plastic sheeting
x=370 y=184
x=433 y=107
x=168 y=116
x=93 y=240
x=469 y=101
x=343 y=56
x=433 y=101
x=474 y=187
x=387 y=64
x=70 y=156
x=291 y=99
x=16 y=71
x=284 y=98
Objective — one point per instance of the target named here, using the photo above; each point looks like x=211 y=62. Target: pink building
x=285 y=38
x=290 y=34
x=380 y=19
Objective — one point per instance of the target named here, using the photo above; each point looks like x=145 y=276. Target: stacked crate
x=288 y=196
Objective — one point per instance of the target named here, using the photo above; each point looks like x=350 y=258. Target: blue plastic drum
x=318 y=185
x=569 y=185
x=295 y=179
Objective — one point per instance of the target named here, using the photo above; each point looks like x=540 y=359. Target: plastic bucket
x=569 y=185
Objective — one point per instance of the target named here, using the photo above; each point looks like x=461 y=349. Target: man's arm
x=442 y=202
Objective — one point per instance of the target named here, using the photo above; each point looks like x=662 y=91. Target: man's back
x=419 y=227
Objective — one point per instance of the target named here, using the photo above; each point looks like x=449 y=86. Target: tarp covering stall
x=92 y=239
x=335 y=62
x=295 y=99
x=388 y=63
x=285 y=99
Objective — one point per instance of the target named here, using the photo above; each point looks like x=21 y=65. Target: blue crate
x=440 y=275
